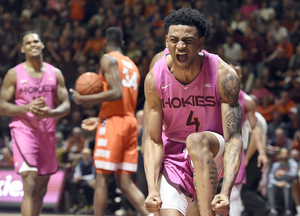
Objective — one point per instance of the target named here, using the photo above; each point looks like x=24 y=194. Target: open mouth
x=181 y=57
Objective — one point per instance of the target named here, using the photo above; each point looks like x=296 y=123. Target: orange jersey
x=130 y=79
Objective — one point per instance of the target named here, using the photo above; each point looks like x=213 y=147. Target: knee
x=29 y=186
x=197 y=145
x=42 y=192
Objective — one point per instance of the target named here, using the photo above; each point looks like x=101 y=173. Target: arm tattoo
x=231 y=89
x=233 y=118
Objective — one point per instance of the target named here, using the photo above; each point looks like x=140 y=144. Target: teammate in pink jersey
x=28 y=94
x=192 y=101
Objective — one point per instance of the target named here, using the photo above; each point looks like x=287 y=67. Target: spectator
x=99 y=17
x=239 y=25
x=74 y=145
x=290 y=19
x=266 y=13
x=294 y=61
x=6 y=158
x=268 y=81
x=281 y=140
x=255 y=48
x=93 y=45
x=277 y=64
x=247 y=79
x=282 y=174
x=266 y=108
x=232 y=49
x=259 y=90
x=77 y=9
x=248 y=8
x=275 y=124
x=293 y=123
x=83 y=178
x=284 y=104
x=278 y=30
x=271 y=44
x=287 y=46
x=296 y=141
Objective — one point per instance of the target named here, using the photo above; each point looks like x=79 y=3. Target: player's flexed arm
x=7 y=107
x=228 y=88
x=153 y=145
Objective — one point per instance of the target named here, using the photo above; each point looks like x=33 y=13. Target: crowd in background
x=263 y=36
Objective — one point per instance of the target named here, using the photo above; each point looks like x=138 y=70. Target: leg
x=170 y=212
x=29 y=179
x=41 y=189
x=73 y=193
x=193 y=210
x=272 y=195
x=100 y=195
x=287 y=199
x=235 y=200
x=202 y=147
x=132 y=193
x=296 y=194
x=34 y=191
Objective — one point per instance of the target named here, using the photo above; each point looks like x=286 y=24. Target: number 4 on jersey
x=193 y=121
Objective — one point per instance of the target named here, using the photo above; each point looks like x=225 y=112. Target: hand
x=90 y=124
x=39 y=108
x=77 y=179
x=279 y=173
x=262 y=159
x=220 y=204
x=76 y=96
x=281 y=183
x=153 y=202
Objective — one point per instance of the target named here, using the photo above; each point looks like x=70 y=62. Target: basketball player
x=28 y=94
x=248 y=107
x=116 y=138
x=190 y=96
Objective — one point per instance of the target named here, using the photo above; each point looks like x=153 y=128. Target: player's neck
x=114 y=49
x=34 y=64
x=188 y=75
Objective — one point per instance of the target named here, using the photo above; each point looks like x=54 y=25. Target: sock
x=298 y=209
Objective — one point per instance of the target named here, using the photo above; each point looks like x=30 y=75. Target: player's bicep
x=9 y=86
x=154 y=113
x=231 y=109
x=110 y=71
x=61 y=90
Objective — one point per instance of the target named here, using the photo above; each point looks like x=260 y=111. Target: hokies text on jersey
x=192 y=100
x=37 y=89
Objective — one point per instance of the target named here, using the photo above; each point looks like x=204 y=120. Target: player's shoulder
x=108 y=58
x=150 y=80
x=225 y=70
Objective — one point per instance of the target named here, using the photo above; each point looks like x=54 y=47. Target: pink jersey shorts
x=36 y=148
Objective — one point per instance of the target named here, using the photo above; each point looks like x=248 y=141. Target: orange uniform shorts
x=116 y=145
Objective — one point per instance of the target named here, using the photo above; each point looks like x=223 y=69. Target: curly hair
x=189 y=17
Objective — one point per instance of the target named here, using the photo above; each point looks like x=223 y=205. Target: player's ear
x=22 y=49
x=201 y=42
x=43 y=45
x=167 y=41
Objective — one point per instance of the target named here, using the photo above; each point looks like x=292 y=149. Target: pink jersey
x=187 y=109
x=29 y=88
